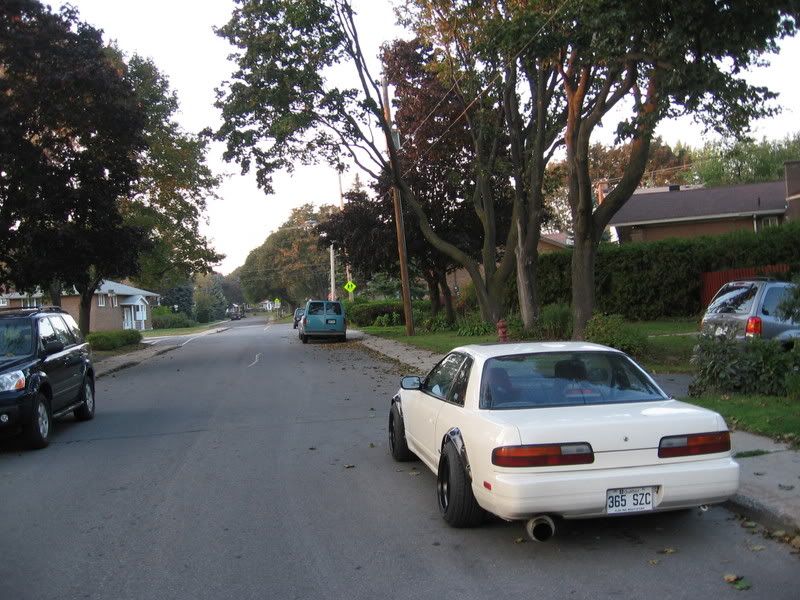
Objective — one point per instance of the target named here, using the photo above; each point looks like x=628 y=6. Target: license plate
x=331 y=321
x=626 y=500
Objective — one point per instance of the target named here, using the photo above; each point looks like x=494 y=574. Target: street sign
x=277 y=302
x=350 y=287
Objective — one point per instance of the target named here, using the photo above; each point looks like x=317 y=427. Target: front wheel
x=397 y=437
x=37 y=431
x=85 y=412
x=457 y=503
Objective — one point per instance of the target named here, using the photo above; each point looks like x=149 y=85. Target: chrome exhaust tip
x=540 y=528
x=703 y=507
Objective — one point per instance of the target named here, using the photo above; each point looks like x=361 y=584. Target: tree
x=174 y=185
x=232 y=287
x=209 y=300
x=663 y=59
x=70 y=130
x=279 y=108
x=182 y=296
x=744 y=161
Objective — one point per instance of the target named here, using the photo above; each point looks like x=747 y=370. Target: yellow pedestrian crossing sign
x=350 y=287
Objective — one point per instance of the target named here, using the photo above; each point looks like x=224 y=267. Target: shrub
x=161 y=311
x=555 y=322
x=435 y=324
x=388 y=320
x=613 y=331
x=172 y=321
x=110 y=340
x=365 y=313
x=473 y=324
x=754 y=367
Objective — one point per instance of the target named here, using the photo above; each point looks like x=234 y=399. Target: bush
x=388 y=320
x=110 y=340
x=649 y=280
x=435 y=324
x=159 y=311
x=754 y=367
x=555 y=322
x=365 y=313
x=172 y=321
x=613 y=331
x=473 y=324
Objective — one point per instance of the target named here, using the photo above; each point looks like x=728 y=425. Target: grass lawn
x=669 y=354
x=667 y=326
x=180 y=330
x=98 y=355
x=767 y=415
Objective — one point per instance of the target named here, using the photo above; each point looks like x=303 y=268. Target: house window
x=141 y=312
x=769 y=222
x=30 y=302
x=3 y=301
x=101 y=300
x=114 y=301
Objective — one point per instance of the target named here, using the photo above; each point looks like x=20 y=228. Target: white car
x=535 y=430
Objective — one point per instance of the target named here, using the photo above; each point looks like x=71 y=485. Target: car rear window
x=733 y=298
x=333 y=308
x=16 y=338
x=563 y=379
x=316 y=308
x=773 y=298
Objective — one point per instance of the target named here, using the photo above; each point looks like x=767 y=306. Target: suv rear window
x=333 y=308
x=773 y=298
x=733 y=298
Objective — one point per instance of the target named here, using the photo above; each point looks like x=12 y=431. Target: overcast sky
x=178 y=35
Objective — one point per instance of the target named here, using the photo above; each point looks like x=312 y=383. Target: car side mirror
x=412 y=382
x=53 y=347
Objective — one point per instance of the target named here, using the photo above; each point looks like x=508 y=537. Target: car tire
x=37 y=432
x=85 y=412
x=304 y=338
x=456 y=501
x=397 y=437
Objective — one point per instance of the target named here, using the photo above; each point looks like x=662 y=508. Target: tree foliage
x=744 y=161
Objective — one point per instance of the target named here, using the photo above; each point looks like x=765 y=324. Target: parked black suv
x=45 y=372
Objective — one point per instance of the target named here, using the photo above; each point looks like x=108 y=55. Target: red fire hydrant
x=502 y=331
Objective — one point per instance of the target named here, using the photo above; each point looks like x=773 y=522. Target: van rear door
x=334 y=317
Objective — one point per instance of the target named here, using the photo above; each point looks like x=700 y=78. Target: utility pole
x=398 y=218
x=341 y=207
x=333 y=275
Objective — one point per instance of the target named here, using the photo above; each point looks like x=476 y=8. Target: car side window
x=440 y=379
x=46 y=333
x=63 y=334
x=73 y=327
x=316 y=308
x=459 y=390
x=773 y=299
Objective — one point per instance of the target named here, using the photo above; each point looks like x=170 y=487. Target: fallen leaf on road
x=349 y=466
x=519 y=541
x=783 y=486
x=758 y=473
x=371 y=445
x=312 y=447
x=414 y=473
x=667 y=551
x=653 y=562
x=742 y=584
x=778 y=533
x=399 y=470
x=795 y=543
x=731 y=578
x=749 y=524
x=757 y=548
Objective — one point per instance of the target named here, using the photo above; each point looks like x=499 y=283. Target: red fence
x=716 y=279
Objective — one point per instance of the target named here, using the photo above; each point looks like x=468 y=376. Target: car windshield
x=564 y=379
x=16 y=338
x=733 y=298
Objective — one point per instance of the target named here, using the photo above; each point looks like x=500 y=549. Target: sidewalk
x=112 y=364
x=769 y=488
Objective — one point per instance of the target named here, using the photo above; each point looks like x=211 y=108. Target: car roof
x=15 y=313
x=494 y=350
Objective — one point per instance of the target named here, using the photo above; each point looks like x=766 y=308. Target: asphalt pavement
x=248 y=465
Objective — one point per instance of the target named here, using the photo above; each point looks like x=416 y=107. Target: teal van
x=323 y=318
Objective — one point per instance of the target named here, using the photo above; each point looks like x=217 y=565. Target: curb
x=133 y=362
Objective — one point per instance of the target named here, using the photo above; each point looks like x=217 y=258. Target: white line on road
x=258 y=356
x=190 y=340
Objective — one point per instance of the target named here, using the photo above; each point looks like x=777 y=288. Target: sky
x=178 y=35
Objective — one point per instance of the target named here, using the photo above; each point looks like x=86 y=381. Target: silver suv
x=749 y=308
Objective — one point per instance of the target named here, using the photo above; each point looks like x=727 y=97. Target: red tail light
x=543 y=455
x=753 y=327
x=305 y=320
x=694 y=444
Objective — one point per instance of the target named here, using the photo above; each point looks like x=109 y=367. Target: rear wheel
x=304 y=338
x=397 y=437
x=85 y=412
x=454 y=491
x=37 y=431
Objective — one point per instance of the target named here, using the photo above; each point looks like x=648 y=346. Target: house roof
x=701 y=204
x=559 y=238
x=120 y=289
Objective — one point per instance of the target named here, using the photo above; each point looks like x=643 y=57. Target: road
x=223 y=470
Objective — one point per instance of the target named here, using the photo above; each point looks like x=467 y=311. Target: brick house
x=116 y=306
x=681 y=212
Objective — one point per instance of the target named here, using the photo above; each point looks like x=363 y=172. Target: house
x=686 y=212
x=116 y=306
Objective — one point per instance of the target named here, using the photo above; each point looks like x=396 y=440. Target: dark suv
x=749 y=308
x=45 y=372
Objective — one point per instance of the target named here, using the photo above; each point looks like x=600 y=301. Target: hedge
x=172 y=321
x=648 y=280
x=365 y=313
x=110 y=340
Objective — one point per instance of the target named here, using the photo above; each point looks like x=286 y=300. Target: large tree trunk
x=583 y=259
x=85 y=315
x=449 y=309
x=54 y=292
x=433 y=292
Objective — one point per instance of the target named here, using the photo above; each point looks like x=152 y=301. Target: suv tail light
x=753 y=327
x=543 y=455
x=694 y=444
